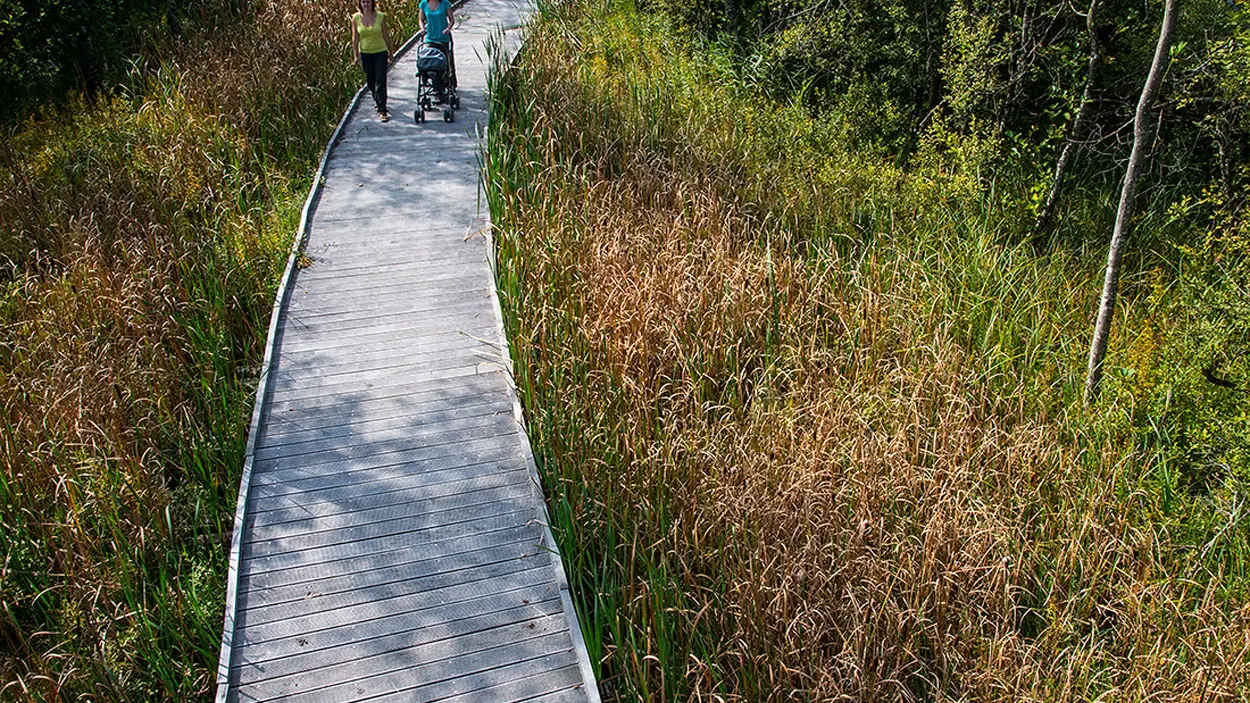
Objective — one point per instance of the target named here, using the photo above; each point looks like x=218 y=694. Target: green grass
x=144 y=234
x=811 y=425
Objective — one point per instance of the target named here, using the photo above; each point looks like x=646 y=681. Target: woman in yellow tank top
x=372 y=48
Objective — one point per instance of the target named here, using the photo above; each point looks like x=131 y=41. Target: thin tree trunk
x=1098 y=347
x=1076 y=130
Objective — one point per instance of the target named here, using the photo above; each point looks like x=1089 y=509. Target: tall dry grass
x=144 y=234
x=811 y=426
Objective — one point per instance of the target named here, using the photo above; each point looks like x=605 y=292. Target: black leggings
x=375 y=77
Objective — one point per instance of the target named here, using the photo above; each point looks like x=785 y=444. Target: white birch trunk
x=1106 y=310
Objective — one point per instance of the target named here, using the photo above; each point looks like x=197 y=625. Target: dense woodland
x=800 y=294
x=1035 y=101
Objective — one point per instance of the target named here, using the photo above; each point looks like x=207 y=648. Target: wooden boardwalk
x=391 y=543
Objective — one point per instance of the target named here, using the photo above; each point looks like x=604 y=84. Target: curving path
x=391 y=540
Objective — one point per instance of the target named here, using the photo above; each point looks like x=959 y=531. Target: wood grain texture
x=393 y=544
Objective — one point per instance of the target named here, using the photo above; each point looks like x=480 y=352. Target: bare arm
x=386 y=37
x=355 y=40
x=451 y=16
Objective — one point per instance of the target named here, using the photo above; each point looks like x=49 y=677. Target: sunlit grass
x=143 y=235
x=811 y=425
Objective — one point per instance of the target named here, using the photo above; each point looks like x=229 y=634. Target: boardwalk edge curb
x=566 y=599
x=553 y=548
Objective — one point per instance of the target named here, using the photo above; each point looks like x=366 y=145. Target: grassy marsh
x=811 y=425
x=143 y=234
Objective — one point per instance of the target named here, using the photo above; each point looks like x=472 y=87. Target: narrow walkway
x=393 y=544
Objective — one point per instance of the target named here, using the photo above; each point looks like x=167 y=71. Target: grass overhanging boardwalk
x=393 y=546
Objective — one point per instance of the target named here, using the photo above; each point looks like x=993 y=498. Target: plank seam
x=262 y=388
x=410 y=647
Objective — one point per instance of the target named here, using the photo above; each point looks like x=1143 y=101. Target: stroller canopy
x=432 y=59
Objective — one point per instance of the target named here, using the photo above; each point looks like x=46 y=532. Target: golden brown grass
x=144 y=234
x=811 y=426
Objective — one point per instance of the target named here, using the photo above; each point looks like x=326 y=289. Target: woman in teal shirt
x=437 y=19
x=373 y=50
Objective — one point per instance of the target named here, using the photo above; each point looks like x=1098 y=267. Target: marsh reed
x=810 y=425
x=142 y=234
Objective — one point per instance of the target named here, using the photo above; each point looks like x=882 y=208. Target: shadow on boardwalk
x=393 y=545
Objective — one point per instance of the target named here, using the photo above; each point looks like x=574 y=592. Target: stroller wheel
x=448 y=115
x=455 y=102
x=425 y=104
x=418 y=116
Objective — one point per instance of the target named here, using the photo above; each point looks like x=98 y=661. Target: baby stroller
x=436 y=74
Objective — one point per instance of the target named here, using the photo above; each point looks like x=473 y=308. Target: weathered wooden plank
x=458 y=555
x=406 y=328
x=366 y=398
x=462 y=606
x=358 y=350
x=393 y=545
x=350 y=348
x=453 y=154
x=306 y=569
x=351 y=202
x=422 y=415
x=359 y=507
x=311 y=305
x=402 y=237
x=459 y=242
x=456 y=254
x=430 y=307
x=390 y=482
x=399 y=671
x=318 y=613
x=384 y=410
x=472 y=449
x=338 y=245
x=468 y=517
x=453 y=261
x=323 y=294
x=401 y=220
x=433 y=316
x=360 y=373
x=359 y=357
x=440 y=511
x=265 y=558
x=575 y=692
x=407 y=135
x=393 y=651
x=431 y=329
x=454 y=468
x=510 y=682
x=298 y=477
x=388 y=441
x=357 y=366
